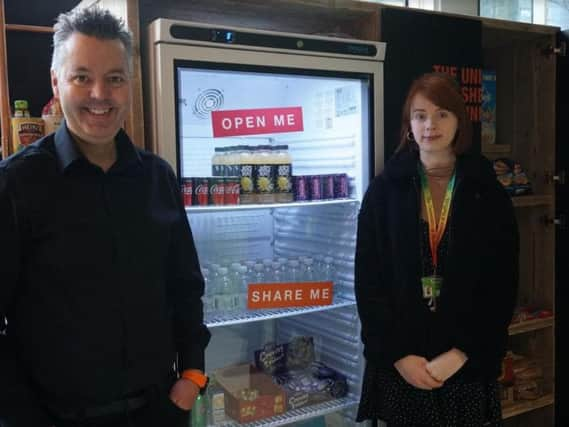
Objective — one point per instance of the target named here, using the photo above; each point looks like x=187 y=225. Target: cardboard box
x=250 y=394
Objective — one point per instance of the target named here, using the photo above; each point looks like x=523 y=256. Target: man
x=100 y=286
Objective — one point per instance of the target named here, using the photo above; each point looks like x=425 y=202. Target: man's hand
x=184 y=393
x=413 y=370
x=447 y=364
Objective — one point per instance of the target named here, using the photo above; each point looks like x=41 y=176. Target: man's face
x=93 y=87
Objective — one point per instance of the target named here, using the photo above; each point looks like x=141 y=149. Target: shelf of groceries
x=532 y=200
x=512 y=409
x=529 y=318
x=282 y=382
x=297 y=415
x=267 y=314
x=531 y=325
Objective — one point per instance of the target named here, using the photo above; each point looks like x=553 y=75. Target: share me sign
x=292 y=294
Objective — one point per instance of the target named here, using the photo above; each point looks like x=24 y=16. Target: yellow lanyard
x=436 y=231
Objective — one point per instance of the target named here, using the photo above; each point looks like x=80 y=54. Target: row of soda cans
x=216 y=190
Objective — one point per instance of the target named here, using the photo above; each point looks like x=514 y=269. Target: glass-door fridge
x=274 y=137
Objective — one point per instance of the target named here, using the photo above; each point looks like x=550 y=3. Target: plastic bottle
x=250 y=264
x=207 y=298
x=268 y=269
x=277 y=272
x=283 y=268
x=25 y=129
x=217 y=167
x=259 y=275
x=237 y=277
x=243 y=287
x=264 y=171
x=52 y=116
x=283 y=175
x=308 y=274
x=211 y=290
x=232 y=160
x=223 y=297
x=199 y=411
x=294 y=274
x=247 y=175
x=328 y=269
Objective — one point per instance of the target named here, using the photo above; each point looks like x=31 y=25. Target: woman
x=436 y=271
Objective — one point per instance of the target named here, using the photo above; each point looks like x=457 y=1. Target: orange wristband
x=196 y=377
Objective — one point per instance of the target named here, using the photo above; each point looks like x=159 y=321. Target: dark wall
x=416 y=41
x=29 y=54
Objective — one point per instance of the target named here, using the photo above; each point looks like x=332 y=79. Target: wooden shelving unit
x=5 y=107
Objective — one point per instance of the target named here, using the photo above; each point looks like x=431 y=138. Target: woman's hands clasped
x=413 y=369
x=429 y=375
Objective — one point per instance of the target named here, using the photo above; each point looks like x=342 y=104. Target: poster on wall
x=420 y=42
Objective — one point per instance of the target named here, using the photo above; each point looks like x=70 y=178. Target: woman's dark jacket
x=481 y=270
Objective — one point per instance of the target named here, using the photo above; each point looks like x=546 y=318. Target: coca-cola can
x=201 y=191
x=300 y=188
x=341 y=186
x=327 y=186
x=216 y=190
x=315 y=187
x=187 y=191
x=232 y=189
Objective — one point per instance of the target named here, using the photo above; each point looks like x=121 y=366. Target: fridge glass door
x=290 y=229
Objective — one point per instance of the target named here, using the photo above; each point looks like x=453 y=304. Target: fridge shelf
x=258 y=315
x=220 y=208
x=295 y=415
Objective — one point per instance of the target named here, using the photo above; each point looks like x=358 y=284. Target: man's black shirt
x=99 y=277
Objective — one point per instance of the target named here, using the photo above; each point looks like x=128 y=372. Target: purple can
x=315 y=187
x=300 y=188
x=327 y=186
x=341 y=188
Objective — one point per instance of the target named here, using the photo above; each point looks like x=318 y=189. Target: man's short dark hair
x=90 y=21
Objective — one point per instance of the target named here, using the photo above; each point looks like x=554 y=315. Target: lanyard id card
x=432 y=284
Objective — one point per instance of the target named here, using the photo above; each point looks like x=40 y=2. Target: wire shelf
x=259 y=315
x=295 y=415
x=308 y=204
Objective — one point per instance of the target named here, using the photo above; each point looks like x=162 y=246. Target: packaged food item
x=507 y=376
x=52 y=116
x=341 y=186
x=488 y=108
x=187 y=191
x=216 y=399
x=250 y=394
x=528 y=389
x=512 y=177
x=315 y=187
x=201 y=191
x=327 y=187
x=300 y=188
x=294 y=367
x=216 y=190
x=25 y=129
x=232 y=190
